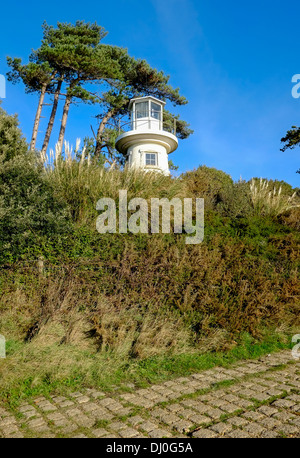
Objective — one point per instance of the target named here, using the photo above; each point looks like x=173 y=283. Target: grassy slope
x=109 y=310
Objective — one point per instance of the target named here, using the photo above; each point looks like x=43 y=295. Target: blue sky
x=233 y=61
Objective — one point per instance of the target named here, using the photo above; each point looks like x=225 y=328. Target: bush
x=206 y=182
x=235 y=200
x=28 y=210
x=12 y=143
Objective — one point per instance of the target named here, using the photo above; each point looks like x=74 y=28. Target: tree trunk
x=100 y=132
x=64 y=122
x=52 y=117
x=37 y=117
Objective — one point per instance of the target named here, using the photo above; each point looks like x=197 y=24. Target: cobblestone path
x=254 y=398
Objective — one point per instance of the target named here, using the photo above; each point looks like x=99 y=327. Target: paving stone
x=147 y=426
x=283 y=403
x=230 y=408
x=239 y=434
x=26 y=408
x=101 y=414
x=136 y=420
x=261 y=388
x=15 y=435
x=10 y=429
x=115 y=407
x=205 y=433
x=84 y=420
x=274 y=392
x=90 y=406
x=159 y=434
x=128 y=397
x=198 y=376
x=182 y=426
x=270 y=423
x=245 y=404
x=96 y=394
x=142 y=402
x=231 y=398
x=238 y=421
x=73 y=412
x=82 y=399
x=128 y=432
x=254 y=429
x=285 y=416
x=158 y=412
x=288 y=430
x=186 y=413
x=214 y=413
x=56 y=416
x=296 y=409
x=253 y=416
x=268 y=434
x=294 y=397
x=77 y=394
x=30 y=413
x=36 y=423
x=3 y=413
x=198 y=419
x=69 y=428
x=66 y=403
x=117 y=425
x=174 y=408
x=47 y=407
x=183 y=380
x=170 y=418
x=280 y=418
x=221 y=428
x=267 y=410
x=199 y=406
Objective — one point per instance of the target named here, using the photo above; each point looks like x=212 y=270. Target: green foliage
x=206 y=182
x=12 y=143
x=269 y=199
x=33 y=75
x=175 y=125
x=234 y=200
x=172 y=166
x=28 y=209
x=74 y=55
x=291 y=139
x=146 y=294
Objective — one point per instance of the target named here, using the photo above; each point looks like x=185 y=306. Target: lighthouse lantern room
x=147 y=145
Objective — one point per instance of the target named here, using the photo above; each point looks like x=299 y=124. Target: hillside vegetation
x=77 y=306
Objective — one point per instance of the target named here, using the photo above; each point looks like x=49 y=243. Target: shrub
x=235 y=200
x=206 y=182
x=12 y=143
x=28 y=209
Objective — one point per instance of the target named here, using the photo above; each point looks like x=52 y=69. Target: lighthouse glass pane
x=141 y=110
x=155 y=111
x=150 y=158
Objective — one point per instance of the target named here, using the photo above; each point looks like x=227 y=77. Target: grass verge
x=29 y=370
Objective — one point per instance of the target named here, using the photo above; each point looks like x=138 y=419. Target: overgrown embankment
x=79 y=305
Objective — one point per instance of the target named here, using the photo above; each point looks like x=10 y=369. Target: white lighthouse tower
x=147 y=145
